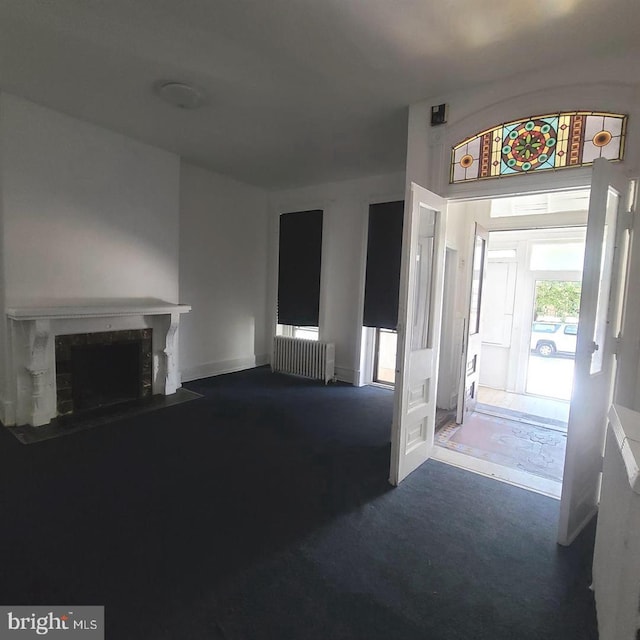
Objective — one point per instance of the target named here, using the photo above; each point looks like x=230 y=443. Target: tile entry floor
x=540 y=406
x=510 y=443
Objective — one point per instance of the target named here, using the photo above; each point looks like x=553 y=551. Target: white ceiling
x=299 y=91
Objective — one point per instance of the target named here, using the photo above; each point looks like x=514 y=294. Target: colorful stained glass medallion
x=539 y=143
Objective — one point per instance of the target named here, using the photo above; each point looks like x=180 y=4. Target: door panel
x=594 y=362
x=468 y=396
x=419 y=320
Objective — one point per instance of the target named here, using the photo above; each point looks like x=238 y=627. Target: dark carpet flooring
x=262 y=511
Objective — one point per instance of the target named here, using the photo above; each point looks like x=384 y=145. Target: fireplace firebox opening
x=100 y=370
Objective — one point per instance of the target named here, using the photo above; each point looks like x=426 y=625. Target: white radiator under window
x=308 y=358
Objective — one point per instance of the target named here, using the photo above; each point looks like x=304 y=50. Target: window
x=384 y=253
x=540 y=203
x=299 y=261
x=540 y=327
x=557 y=256
x=539 y=143
x=291 y=331
x=307 y=333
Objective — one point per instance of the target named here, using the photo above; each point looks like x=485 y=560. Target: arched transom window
x=539 y=143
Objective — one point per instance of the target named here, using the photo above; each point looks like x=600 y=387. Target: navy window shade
x=300 y=258
x=384 y=252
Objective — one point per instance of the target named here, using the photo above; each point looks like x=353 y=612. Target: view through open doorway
x=515 y=424
x=384 y=364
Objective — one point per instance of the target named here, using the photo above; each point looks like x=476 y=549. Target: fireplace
x=96 y=370
x=86 y=355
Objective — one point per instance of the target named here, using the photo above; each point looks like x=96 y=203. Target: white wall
x=90 y=214
x=223 y=275
x=345 y=222
x=87 y=213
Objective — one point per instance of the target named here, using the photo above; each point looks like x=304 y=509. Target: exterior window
x=294 y=331
x=539 y=143
x=557 y=256
x=308 y=333
x=384 y=368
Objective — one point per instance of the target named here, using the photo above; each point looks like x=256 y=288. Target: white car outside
x=551 y=338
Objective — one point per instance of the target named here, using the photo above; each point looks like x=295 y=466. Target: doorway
x=516 y=429
x=602 y=315
x=530 y=322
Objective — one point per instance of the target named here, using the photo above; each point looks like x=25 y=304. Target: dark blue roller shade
x=384 y=251
x=300 y=257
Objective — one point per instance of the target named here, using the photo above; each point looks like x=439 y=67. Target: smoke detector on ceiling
x=180 y=94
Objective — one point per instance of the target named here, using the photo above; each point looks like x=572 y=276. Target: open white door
x=472 y=339
x=419 y=321
x=594 y=362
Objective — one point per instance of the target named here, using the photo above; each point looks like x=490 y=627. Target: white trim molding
x=345 y=374
x=219 y=367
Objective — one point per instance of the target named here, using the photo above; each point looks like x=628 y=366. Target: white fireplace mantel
x=110 y=310
x=32 y=331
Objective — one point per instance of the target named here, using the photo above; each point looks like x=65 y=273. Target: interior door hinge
x=617 y=345
x=627 y=220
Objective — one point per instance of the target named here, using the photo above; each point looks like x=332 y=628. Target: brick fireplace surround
x=32 y=392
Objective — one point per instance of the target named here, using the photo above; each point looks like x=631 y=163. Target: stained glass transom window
x=539 y=143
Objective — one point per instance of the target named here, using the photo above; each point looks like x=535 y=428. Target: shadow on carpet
x=66 y=425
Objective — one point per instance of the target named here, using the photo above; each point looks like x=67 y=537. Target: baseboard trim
x=344 y=374
x=221 y=367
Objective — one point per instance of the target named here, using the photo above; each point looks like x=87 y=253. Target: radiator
x=307 y=358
